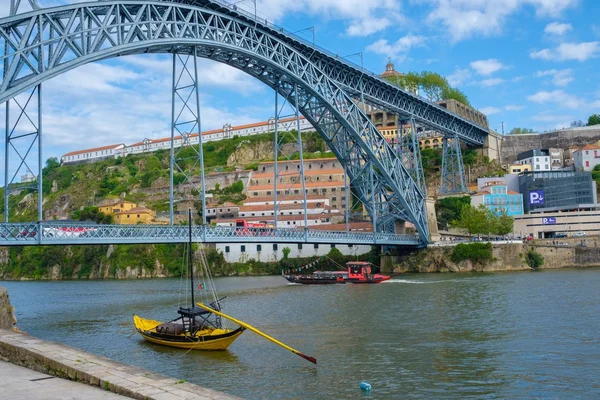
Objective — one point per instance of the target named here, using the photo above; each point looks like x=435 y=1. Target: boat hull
x=310 y=280
x=375 y=279
x=207 y=339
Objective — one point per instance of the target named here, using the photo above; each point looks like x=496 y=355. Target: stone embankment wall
x=7 y=318
x=514 y=144
x=506 y=257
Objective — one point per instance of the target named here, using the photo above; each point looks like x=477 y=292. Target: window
x=316 y=245
x=243 y=249
x=587 y=163
x=226 y=249
x=333 y=246
x=299 y=246
x=275 y=247
x=258 y=247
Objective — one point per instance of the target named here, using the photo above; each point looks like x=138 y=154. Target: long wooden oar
x=253 y=329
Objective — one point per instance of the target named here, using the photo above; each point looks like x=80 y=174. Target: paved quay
x=44 y=359
x=20 y=383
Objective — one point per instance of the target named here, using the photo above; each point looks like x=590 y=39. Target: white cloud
x=363 y=17
x=513 y=107
x=568 y=51
x=558 y=97
x=463 y=19
x=559 y=77
x=459 y=76
x=398 y=49
x=556 y=28
x=490 y=110
x=487 y=67
x=492 y=81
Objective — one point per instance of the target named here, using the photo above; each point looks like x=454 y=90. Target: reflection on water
x=503 y=335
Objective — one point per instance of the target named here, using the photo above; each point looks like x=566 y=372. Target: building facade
x=586 y=158
x=557 y=190
x=553 y=223
x=150 y=145
x=496 y=197
x=137 y=215
x=539 y=159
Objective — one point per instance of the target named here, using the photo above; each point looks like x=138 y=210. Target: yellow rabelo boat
x=195 y=328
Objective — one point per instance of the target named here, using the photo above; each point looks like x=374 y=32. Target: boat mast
x=190 y=256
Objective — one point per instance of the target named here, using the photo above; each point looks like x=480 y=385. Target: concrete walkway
x=20 y=383
x=99 y=372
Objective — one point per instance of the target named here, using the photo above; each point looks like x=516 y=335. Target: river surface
x=504 y=335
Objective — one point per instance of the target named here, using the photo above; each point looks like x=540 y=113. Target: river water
x=504 y=335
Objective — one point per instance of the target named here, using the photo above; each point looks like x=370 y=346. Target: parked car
x=579 y=234
x=560 y=235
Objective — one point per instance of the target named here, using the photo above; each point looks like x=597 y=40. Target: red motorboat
x=360 y=272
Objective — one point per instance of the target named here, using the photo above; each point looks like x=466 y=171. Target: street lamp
x=312 y=29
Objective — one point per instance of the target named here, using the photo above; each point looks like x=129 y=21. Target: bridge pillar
x=453 y=172
x=400 y=227
x=187 y=157
x=23 y=133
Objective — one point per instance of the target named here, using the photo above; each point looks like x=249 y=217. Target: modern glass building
x=557 y=190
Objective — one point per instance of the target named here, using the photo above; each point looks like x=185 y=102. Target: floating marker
x=365 y=386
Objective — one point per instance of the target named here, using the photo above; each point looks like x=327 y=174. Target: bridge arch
x=45 y=43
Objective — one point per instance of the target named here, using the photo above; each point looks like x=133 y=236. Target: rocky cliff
x=7 y=318
x=515 y=144
x=509 y=257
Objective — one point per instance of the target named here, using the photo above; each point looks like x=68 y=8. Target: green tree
x=534 y=259
x=596 y=173
x=286 y=252
x=429 y=84
x=504 y=224
x=449 y=208
x=520 y=131
x=474 y=220
x=92 y=214
x=594 y=119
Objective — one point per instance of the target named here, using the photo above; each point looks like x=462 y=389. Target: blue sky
x=527 y=63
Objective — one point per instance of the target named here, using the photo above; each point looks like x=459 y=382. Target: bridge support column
x=187 y=157
x=23 y=139
x=453 y=172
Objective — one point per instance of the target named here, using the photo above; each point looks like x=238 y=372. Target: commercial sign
x=536 y=197
x=549 y=221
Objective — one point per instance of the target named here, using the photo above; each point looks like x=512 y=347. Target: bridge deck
x=28 y=234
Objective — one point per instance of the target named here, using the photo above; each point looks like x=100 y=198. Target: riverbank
x=502 y=257
x=66 y=362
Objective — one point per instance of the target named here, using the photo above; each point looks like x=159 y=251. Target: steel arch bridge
x=44 y=43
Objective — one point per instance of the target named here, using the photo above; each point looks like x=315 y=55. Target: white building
x=92 y=155
x=270 y=252
x=149 y=145
x=28 y=177
x=586 y=158
x=539 y=159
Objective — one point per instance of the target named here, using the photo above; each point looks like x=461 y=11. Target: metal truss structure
x=187 y=159
x=453 y=172
x=44 y=43
x=52 y=233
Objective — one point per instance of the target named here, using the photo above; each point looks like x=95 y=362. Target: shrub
x=534 y=259
x=476 y=252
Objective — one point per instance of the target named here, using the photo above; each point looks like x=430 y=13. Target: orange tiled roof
x=111 y=147
x=282 y=197
x=295 y=161
x=269 y=207
x=298 y=185
x=297 y=172
x=589 y=147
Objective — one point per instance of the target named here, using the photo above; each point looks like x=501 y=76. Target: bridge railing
x=73 y=233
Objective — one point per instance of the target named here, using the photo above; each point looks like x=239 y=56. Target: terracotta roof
x=297 y=172
x=111 y=147
x=295 y=161
x=269 y=207
x=589 y=147
x=513 y=192
x=114 y=203
x=297 y=186
x=136 y=210
x=282 y=197
x=269 y=218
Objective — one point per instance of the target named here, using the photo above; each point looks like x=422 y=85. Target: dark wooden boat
x=319 y=278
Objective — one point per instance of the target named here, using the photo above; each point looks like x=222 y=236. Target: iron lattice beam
x=46 y=43
x=453 y=173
